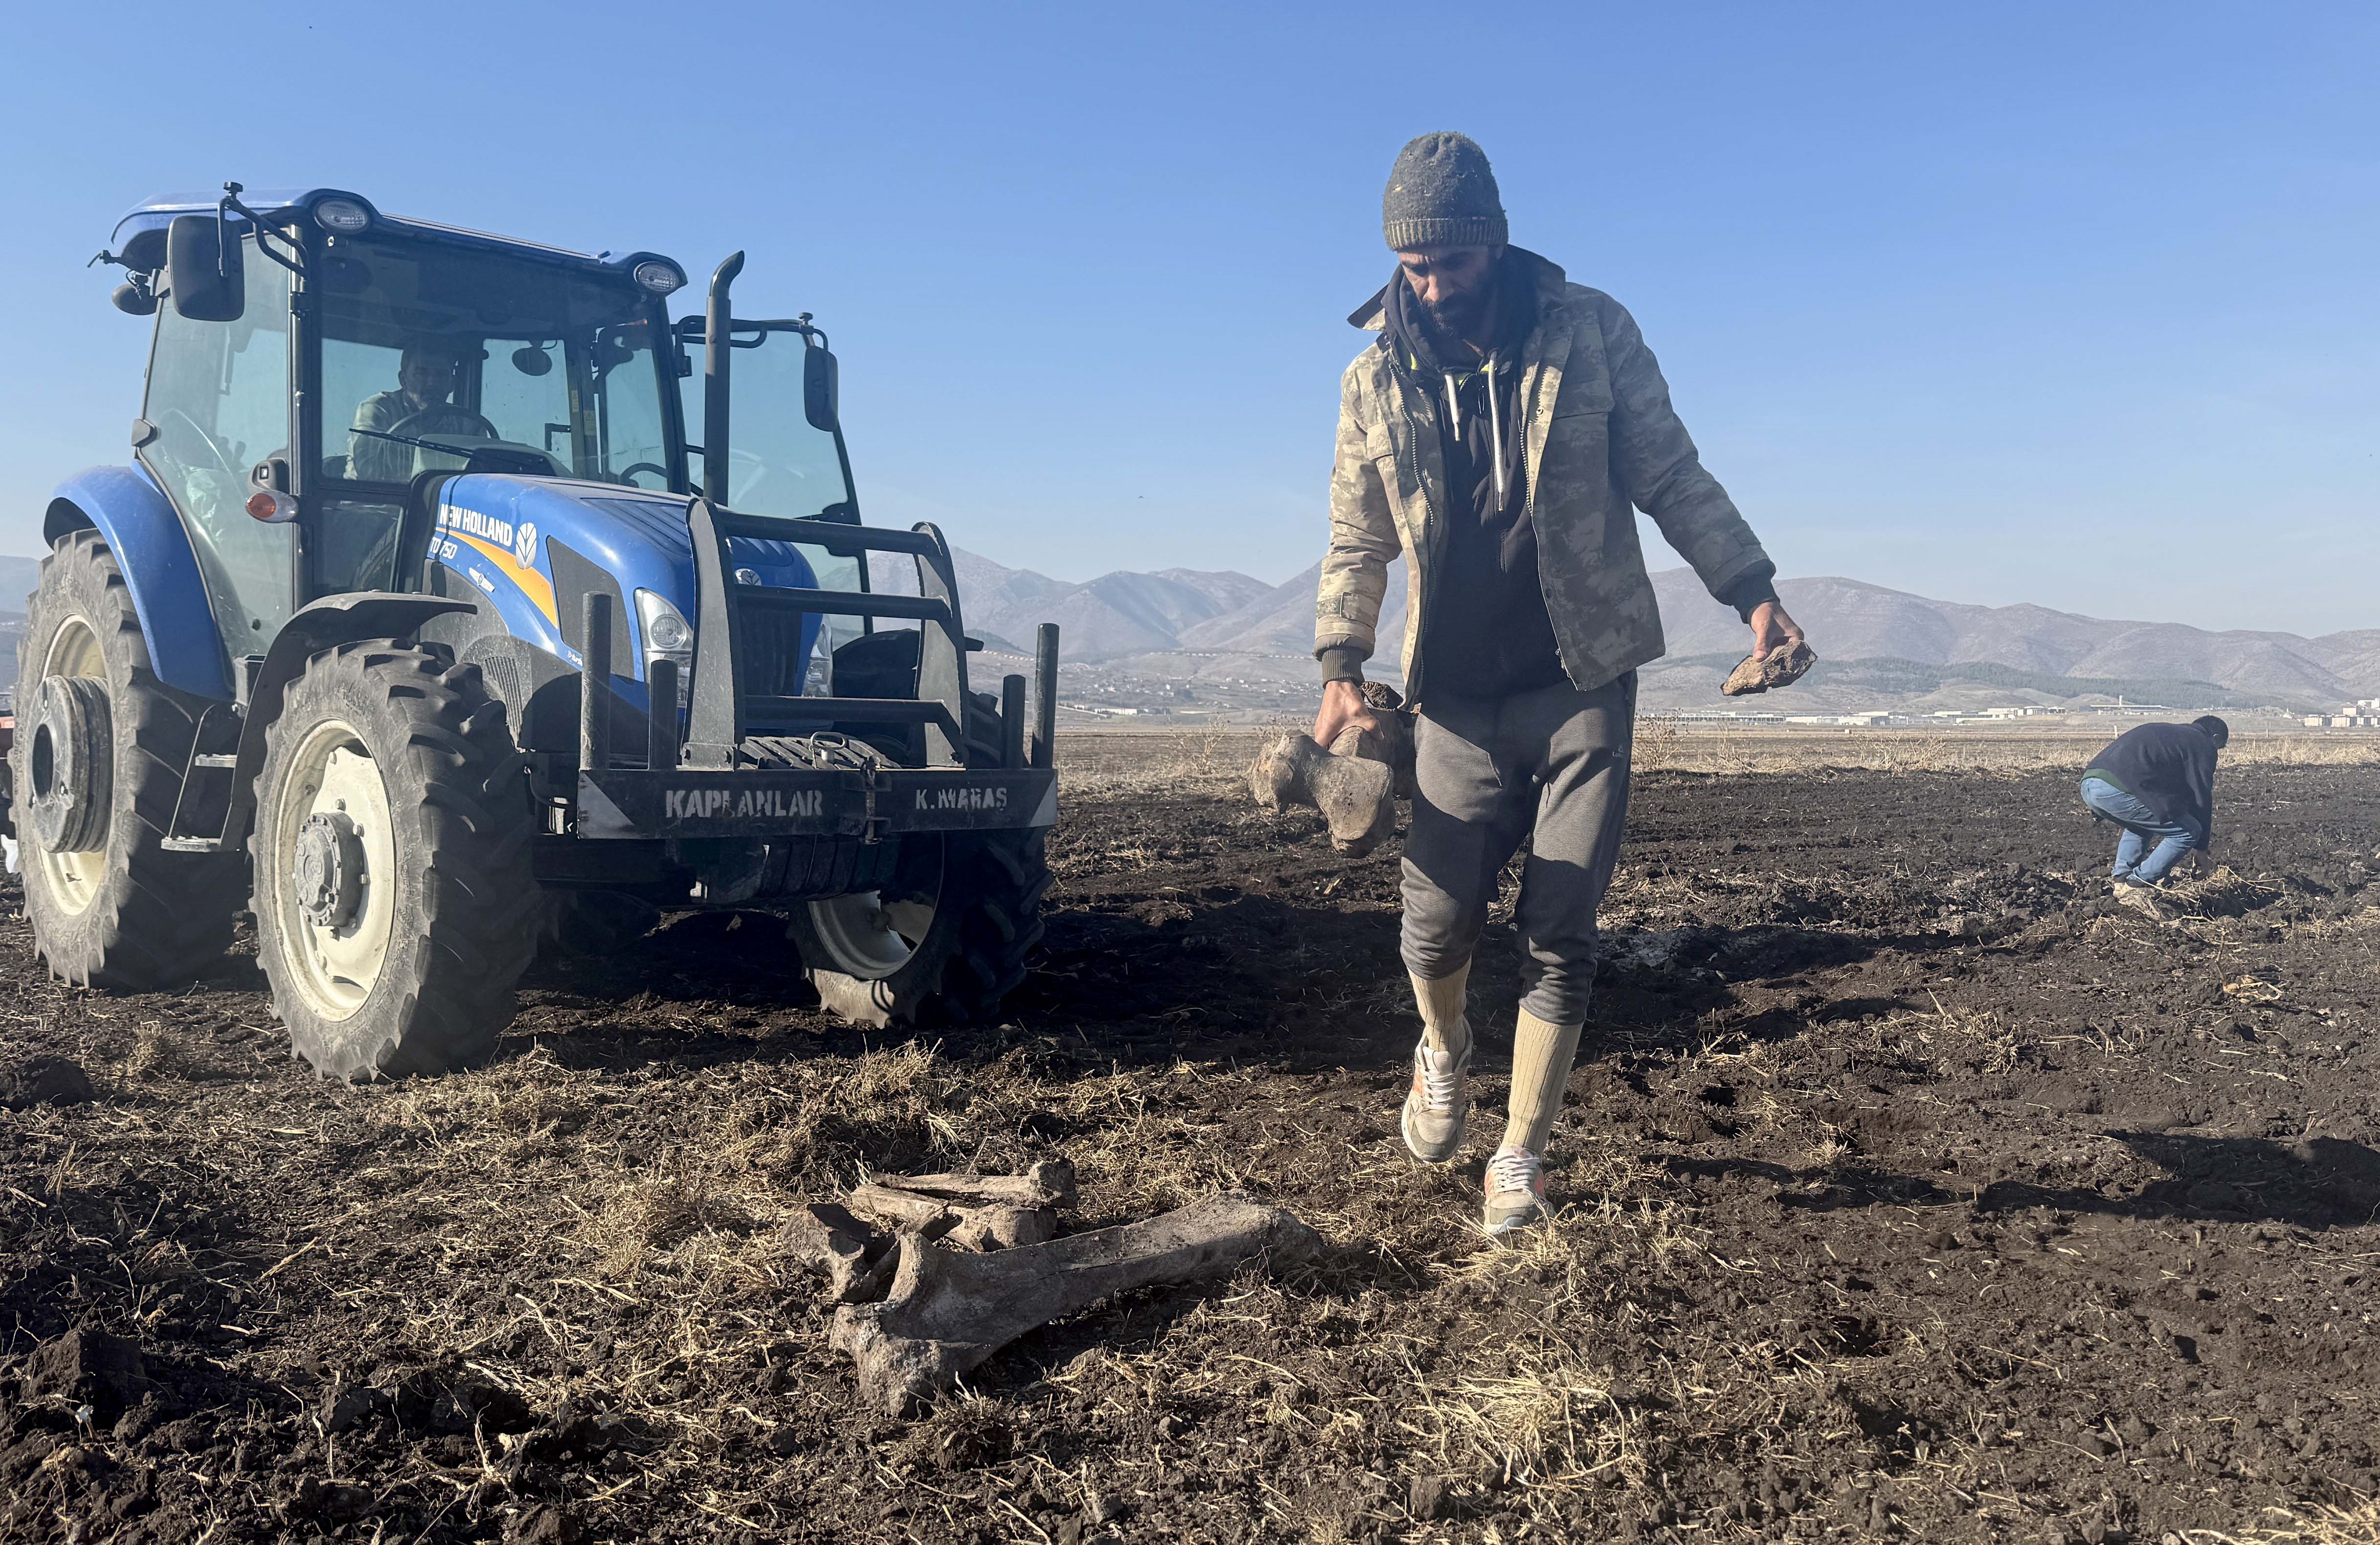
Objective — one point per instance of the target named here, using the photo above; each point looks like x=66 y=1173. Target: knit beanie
x=2213 y=729
x=1443 y=194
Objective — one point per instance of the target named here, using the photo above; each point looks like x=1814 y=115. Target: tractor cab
x=316 y=363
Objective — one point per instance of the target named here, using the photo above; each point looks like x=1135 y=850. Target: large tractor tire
x=394 y=903
x=96 y=769
x=943 y=943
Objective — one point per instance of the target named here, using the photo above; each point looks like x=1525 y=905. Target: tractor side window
x=628 y=418
x=353 y=373
x=777 y=463
x=219 y=397
x=524 y=393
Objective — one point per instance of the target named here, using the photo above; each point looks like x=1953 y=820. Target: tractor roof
x=140 y=235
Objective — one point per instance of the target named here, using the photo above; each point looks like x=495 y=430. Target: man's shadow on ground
x=2316 y=1183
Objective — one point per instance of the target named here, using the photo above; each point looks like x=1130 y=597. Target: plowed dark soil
x=1910 y=1187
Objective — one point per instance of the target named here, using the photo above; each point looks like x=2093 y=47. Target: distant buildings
x=2361 y=715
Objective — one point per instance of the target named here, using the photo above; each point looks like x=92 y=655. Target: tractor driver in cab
x=425 y=379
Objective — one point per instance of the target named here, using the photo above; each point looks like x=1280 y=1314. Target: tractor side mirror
x=822 y=396
x=202 y=269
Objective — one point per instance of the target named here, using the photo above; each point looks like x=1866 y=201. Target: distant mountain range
x=1876 y=646
x=1873 y=643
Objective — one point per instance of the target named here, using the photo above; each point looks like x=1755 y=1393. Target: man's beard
x=1458 y=316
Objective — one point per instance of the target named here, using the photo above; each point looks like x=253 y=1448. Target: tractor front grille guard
x=720 y=712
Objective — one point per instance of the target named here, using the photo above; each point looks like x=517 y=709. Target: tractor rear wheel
x=946 y=940
x=394 y=903
x=96 y=769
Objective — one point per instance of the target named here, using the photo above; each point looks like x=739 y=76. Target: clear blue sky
x=2072 y=304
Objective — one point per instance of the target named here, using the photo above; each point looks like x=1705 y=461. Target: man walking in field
x=2157 y=782
x=1502 y=432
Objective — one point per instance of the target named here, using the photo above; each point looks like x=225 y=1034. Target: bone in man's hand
x=1355 y=794
x=1783 y=668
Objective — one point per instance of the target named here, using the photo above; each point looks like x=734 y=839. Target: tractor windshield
x=430 y=352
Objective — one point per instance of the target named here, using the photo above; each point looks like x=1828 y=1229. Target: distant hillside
x=1875 y=645
x=1878 y=643
x=18 y=578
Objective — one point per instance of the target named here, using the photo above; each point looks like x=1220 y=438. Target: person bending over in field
x=2157 y=782
x=1498 y=433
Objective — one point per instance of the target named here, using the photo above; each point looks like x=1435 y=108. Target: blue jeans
x=2140 y=823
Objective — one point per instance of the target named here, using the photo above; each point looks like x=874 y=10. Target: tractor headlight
x=666 y=635
x=659 y=277
x=342 y=216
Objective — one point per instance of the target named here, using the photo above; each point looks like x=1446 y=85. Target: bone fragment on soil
x=996 y=1225
x=861 y=1003
x=925 y=1216
x=1355 y=794
x=854 y=1257
x=1783 y=668
x=948 y=1312
x=1003 y=1228
x=1049 y=1182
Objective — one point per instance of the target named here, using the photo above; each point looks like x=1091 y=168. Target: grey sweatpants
x=1551 y=767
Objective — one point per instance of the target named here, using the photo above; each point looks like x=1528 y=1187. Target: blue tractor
x=419 y=629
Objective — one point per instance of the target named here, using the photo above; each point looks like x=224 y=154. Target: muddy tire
x=966 y=911
x=395 y=904
x=99 y=751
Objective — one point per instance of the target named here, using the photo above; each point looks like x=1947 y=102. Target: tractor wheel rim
x=74 y=879
x=867 y=940
x=334 y=969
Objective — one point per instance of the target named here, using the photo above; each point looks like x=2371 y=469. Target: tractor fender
x=318 y=626
x=152 y=550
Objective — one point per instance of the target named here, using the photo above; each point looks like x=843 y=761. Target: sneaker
x=1516 y=1191
x=1438 y=1107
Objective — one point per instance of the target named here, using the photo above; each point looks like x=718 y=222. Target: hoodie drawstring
x=1495 y=418
x=1495 y=434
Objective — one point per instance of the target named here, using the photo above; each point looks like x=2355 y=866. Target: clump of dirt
x=1910 y=1186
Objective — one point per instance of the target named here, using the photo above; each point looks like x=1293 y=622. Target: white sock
x=1443 y=1021
x=1542 y=1054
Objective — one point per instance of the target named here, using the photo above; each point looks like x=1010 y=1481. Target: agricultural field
x=1910 y=1188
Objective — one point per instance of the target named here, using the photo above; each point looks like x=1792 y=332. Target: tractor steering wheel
x=214 y=447
x=435 y=420
x=635 y=466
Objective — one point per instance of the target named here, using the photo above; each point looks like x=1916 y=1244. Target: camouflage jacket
x=1600 y=437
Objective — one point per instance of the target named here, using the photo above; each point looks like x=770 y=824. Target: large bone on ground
x=948 y=1312
x=1355 y=794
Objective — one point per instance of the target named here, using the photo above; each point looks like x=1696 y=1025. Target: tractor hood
x=536 y=547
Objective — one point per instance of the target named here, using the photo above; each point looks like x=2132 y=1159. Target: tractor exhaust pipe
x=718 y=324
x=1045 y=696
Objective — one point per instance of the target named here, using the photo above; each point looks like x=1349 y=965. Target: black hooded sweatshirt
x=1487 y=633
x=2169 y=768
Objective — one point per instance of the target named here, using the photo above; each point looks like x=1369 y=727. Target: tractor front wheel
x=944 y=939
x=394 y=903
